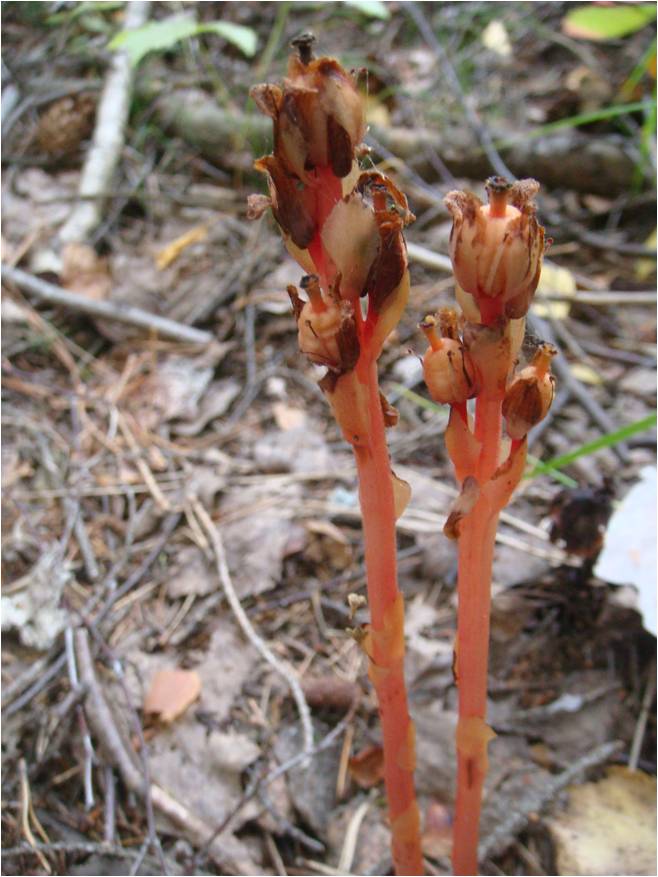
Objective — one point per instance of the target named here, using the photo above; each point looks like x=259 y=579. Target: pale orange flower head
x=497 y=248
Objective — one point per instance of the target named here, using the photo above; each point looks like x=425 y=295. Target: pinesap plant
x=496 y=251
x=344 y=227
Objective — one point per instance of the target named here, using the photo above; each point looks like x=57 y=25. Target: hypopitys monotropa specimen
x=344 y=227
x=496 y=252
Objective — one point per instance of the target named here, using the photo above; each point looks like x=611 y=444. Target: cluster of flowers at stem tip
x=496 y=251
x=342 y=224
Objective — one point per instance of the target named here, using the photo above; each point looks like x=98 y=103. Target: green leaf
x=555 y=474
x=156 y=36
x=243 y=38
x=159 y=36
x=83 y=8
x=604 y=441
x=594 y=22
x=371 y=8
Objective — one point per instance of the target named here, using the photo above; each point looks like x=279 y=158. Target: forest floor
x=146 y=473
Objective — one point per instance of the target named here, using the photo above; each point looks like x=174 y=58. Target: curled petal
x=267 y=98
x=462 y=506
x=257 y=205
x=292 y=205
x=530 y=394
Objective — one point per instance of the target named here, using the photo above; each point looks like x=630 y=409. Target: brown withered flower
x=318 y=121
x=530 y=394
x=317 y=113
x=497 y=248
x=342 y=225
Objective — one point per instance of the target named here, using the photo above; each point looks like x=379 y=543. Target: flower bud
x=496 y=248
x=447 y=367
x=326 y=329
x=530 y=394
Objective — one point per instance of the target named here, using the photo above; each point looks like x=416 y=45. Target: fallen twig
x=420 y=254
x=45 y=677
x=88 y=749
x=504 y=833
x=108 y=138
x=105 y=729
x=604 y=298
x=169 y=525
x=27 y=814
x=83 y=848
x=351 y=838
x=565 y=159
x=247 y=628
x=640 y=727
x=160 y=499
x=121 y=313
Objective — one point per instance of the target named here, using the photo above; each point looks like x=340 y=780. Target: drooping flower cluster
x=496 y=251
x=343 y=225
x=496 y=248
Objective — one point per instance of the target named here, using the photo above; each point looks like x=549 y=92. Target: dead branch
x=507 y=830
x=122 y=313
x=108 y=138
x=247 y=628
x=569 y=159
x=102 y=722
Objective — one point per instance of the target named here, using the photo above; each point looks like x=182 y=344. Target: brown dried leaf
x=192 y=574
x=171 y=693
x=256 y=534
x=436 y=839
x=330 y=692
x=328 y=545
x=84 y=272
x=609 y=826
x=367 y=766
